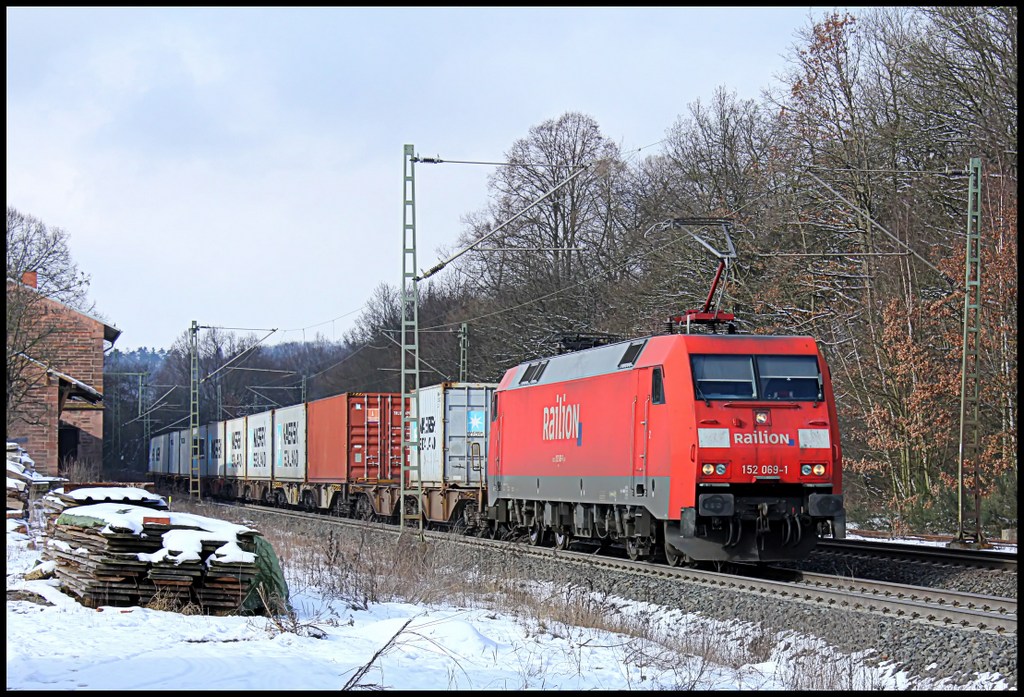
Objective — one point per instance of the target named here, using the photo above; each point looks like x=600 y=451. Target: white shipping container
x=184 y=452
x=216 y=449
x=158 y=454
x=290 y=444
x=453 y=430
x=258 y=428
x=172 y=452
x=235 y=441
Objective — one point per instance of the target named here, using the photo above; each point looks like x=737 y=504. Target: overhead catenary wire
x=440 y=265
x=588 y=279
x=882 y=228
x=240 y=355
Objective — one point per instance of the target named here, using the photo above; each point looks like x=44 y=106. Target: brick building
x=61 y=415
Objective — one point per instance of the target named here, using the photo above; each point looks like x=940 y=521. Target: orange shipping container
x=354 y=437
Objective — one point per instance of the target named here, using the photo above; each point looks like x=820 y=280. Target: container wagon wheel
x=562 y=540
x=364 y=510
x=537 y=535
x=307 y=501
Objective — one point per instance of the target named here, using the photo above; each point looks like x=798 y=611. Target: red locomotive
x=687 y=446
x=700 y=446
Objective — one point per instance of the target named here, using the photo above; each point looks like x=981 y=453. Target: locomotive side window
x=657 y=387
x=723 y=377
x=789 y=378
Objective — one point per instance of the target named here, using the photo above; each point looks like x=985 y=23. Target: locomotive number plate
x=764 y=470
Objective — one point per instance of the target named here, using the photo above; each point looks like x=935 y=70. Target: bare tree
x=33 y=345
x=555 y=254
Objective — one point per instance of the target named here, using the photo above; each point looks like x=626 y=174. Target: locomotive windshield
x=784 y=378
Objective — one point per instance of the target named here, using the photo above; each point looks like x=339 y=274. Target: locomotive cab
x=764 y=452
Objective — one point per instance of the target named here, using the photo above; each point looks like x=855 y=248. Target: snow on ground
x=330 y=646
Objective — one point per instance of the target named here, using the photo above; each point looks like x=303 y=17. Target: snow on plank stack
x=102 y=566
x=123 y=554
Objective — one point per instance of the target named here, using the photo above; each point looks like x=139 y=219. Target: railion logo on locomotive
x=561 y=421
x=763 y=438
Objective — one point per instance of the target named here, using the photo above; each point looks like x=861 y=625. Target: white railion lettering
x=560 y=420
x=761 y=438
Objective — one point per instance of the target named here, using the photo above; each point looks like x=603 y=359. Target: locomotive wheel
x=673 y=557
x=562 y=540
x=633 y=549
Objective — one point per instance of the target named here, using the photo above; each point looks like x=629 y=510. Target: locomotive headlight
x=761 y=417
x=805 y=470
x=708 y=469
x=819 y=470
x=719 y=469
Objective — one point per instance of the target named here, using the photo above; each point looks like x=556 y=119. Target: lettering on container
x=258 y=453
x=237 y=461
x=428 y=441
x=289 y=438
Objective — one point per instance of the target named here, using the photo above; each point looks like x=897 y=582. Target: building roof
x=78 y=389
x=110 y=332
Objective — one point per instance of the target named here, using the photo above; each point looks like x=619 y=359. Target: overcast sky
x=244 y=167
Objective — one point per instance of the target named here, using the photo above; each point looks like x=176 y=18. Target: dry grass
x=81 y=470
x=362 y=569
x=174 y=602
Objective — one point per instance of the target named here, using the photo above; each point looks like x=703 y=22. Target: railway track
x=918 y=604
x=939 y=556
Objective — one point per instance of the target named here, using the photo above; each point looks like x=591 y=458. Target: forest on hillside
x=847 y=184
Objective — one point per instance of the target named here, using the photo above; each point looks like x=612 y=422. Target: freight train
x=683 y=447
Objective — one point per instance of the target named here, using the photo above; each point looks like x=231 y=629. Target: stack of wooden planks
x=101 y=565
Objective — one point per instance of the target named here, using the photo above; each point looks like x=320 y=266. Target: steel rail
x=985 y=559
